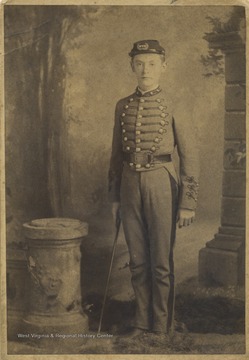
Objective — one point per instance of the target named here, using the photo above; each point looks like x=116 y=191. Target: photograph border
x=177 y=3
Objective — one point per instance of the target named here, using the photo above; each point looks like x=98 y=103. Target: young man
x=143 y=184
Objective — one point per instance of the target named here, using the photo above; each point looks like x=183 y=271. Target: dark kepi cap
x=147 y=47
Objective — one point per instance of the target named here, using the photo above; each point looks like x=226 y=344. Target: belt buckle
x=142 y=158
x=137 y=158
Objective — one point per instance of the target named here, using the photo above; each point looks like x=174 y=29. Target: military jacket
x=152 y=123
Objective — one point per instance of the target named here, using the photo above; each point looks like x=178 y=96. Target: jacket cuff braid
x=189 y=193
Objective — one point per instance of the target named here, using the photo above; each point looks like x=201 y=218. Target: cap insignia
x=143 y=46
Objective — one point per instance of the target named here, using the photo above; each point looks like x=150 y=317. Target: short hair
x=162 y=56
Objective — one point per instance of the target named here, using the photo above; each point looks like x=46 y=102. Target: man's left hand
x=185 y=217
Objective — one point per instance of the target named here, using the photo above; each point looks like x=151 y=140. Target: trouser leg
x=138 y=245
x=159 y=196
x=148 y=205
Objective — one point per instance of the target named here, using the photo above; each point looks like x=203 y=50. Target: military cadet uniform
x=143 y=178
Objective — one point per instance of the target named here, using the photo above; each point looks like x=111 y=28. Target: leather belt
x=143 y=159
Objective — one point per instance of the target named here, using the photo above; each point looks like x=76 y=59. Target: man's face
x=148 y=69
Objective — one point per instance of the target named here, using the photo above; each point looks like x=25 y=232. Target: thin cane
x=118 y=222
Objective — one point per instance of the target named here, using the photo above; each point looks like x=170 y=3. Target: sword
x=118 y=222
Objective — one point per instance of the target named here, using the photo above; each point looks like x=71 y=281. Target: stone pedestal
x=222 y=261
x=54 y=314
x=17 y=275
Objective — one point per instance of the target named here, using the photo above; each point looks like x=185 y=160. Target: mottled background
x=65 y=69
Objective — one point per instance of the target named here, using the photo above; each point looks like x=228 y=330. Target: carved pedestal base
x=54 y=315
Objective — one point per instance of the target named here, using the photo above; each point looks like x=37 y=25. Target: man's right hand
x=116 y=212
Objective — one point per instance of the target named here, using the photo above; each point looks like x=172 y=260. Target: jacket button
x=125 y=138
x=131 y=164
x=140 y=108
x=138 y=132
x=122 y=123
x=162 y=123
x=128 y=148
x=158 y=100
x=153 y=148
x=138 y=124
x=138 y=149
x=163 y=115
x=131 y=99
x=139 y=116
x=160 y=131
x=147 y=166
x=126 y=106
x=138 y=166
x=123 y=115
x=156 y=140
x=138 y=141
x=123 y=131
x=160 y=107
x=142 y=100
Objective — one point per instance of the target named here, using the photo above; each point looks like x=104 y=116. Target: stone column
x=54 y=291
x=222 y=261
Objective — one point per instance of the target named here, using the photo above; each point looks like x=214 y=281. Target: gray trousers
x=148 y=210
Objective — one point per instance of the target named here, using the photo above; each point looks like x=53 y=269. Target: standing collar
x=148 y=93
